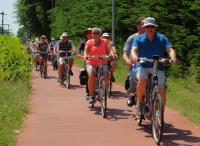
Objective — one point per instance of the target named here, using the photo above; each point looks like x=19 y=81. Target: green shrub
x=14 y=61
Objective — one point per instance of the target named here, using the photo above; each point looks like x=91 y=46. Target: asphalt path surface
x=62 y=117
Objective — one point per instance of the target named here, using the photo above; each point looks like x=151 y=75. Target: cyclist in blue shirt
x=146 y=45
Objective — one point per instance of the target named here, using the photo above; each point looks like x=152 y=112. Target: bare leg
x=91 y=83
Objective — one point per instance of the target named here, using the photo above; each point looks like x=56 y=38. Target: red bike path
x=62 y=117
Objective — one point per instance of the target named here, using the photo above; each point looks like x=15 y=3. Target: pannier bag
x=126 y=84
x=83 y=76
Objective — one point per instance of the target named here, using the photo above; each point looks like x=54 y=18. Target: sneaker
x=112 y=78
x=59 y=80
x=139 y=108
x=92 y=100
x=87 y=97
x=131 y=100
x=71 y=73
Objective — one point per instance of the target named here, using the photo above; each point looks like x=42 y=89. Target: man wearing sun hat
x=87 y=34
x=64 y=45
x=146 y=45
x=43 y=47
x=113 y=64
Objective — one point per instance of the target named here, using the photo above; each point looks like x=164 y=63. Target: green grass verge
x=13 y=107
x=183 y=95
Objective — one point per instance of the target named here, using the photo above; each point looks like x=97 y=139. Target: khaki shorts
x=91 y=68
x=143 y=73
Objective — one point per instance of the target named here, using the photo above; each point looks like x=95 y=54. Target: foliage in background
x=33 y=16
x=179 y=21
x=14 y=61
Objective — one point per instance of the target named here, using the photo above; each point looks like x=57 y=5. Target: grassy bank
x=13 y=107
x=15 y=76
x=183 y=95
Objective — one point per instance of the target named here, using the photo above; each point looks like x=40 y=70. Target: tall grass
x=15 y=73
x=184 y=96
x=13 y=107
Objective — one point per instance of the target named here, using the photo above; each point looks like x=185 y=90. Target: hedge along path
x=61 y=117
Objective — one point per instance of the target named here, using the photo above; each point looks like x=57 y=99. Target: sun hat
x=64 y=34
x=149 y=21
x=87 y=31
x=43 y=36
x=105 y=34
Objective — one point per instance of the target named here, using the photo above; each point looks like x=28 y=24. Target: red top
x=93 y=50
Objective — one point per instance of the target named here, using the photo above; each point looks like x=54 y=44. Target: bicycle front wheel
x=110 y=85
x=41 y=70
x=67 y=76
x=102 y=96
x=157 y=116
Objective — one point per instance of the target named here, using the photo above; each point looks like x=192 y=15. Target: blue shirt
x=147 y=48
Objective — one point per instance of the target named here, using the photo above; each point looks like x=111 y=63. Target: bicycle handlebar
x=98 y=57
x=68 y=53
x=160 y=60
x=40 y=52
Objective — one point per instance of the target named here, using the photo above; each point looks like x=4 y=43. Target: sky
x=7 y=6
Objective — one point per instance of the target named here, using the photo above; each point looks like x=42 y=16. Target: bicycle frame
x=43 y=69
x=153 y=109
x=100 y=88
x=66 y=67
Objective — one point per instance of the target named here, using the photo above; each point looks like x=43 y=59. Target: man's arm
x=126 y=58
x=127 y=50
x=172 y=55
x=85 y=53
x=134 y=54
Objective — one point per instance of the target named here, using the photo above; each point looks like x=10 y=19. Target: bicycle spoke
x=157 y=124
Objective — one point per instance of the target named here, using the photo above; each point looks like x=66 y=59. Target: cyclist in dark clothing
x=43 y=47
x=87 y=35
x=64 y=45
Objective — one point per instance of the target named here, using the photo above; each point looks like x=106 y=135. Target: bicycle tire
x=109 y=85
x=45 y=73
x=103 y=97
x=41 y=70
x=67 y=76
x=157 y=116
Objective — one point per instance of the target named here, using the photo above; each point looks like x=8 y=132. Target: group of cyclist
x=145 y=43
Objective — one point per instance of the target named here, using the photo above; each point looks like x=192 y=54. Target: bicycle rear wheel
x=67 y=76
x=102 y=96
x=41 y=70
x=157 y=117
x=109 y=85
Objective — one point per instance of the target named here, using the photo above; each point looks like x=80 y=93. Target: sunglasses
x=150 y=26
x=97 y=33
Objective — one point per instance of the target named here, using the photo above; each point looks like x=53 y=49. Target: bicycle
x=153 y=105
x=100 y=91
x=66 y=76
x=36 y=61
x=110 y=76
x=109 y=81
x=42 y=68
x=53 y=58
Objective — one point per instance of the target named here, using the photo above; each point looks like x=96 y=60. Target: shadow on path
x=113 y=114
x=172 y=135
x=118 y=95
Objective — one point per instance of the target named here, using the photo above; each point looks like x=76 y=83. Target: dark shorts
x=44 y=57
